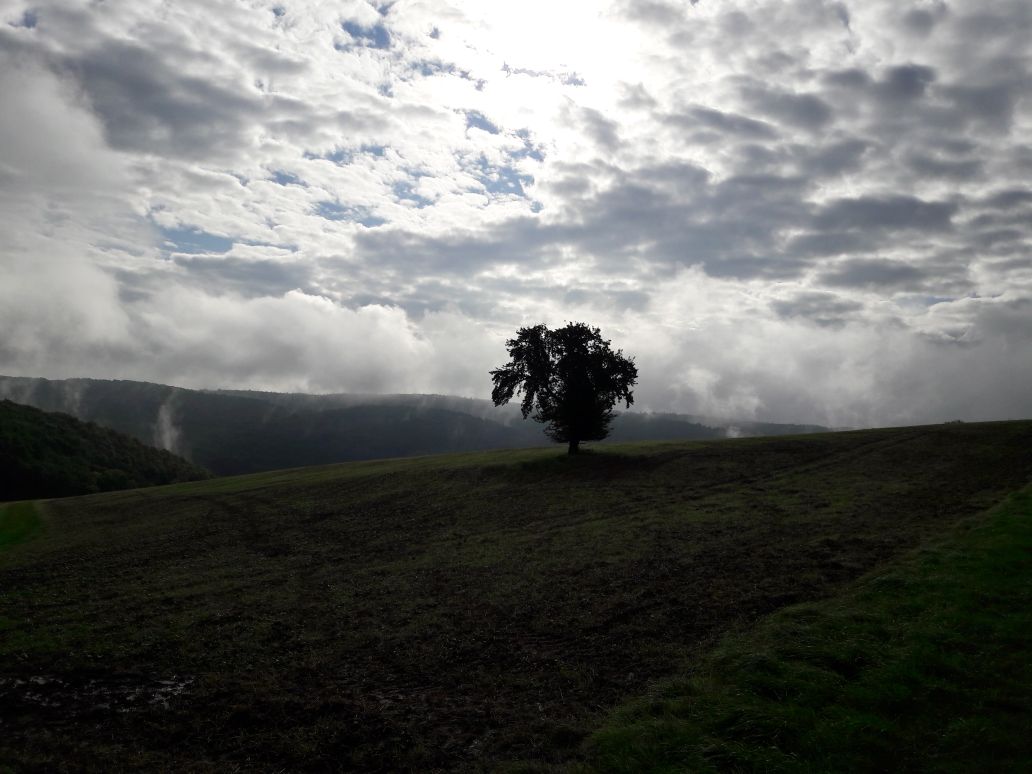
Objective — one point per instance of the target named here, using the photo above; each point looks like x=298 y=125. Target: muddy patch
x=77 y=695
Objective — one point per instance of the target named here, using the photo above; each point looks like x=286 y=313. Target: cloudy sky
x=795 y=210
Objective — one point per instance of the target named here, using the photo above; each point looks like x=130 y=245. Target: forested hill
x=231 y=432
x=45 y=454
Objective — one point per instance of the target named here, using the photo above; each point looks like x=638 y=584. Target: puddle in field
x=79 y=695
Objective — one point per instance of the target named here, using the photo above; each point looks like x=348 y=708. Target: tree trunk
x=574 y=447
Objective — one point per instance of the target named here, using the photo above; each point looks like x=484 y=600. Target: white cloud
x=63 y=212
x=807 y=210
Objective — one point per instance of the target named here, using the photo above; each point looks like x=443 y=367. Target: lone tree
x=570 y=376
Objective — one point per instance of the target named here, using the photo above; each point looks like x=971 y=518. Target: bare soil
x=446 y=613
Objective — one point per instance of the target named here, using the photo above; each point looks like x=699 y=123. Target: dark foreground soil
x=441 y=613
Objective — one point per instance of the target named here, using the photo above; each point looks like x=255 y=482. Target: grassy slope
x=18 y=522
x=923 y=666
x=448 y=611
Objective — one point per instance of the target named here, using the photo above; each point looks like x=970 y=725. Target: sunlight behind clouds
x=789 y=209
x=575 y=41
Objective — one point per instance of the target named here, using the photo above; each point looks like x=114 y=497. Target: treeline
x=44 y=454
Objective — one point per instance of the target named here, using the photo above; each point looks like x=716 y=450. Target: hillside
x=46 y=454
x=440 y=613
x=630 y=425
x=231 y=432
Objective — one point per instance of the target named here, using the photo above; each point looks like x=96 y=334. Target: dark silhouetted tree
x=570 y=379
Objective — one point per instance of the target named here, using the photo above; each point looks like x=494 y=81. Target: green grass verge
x=18 y=522
x=926 y=666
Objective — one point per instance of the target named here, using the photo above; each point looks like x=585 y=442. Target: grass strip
x=922 y=666
x=18 y=522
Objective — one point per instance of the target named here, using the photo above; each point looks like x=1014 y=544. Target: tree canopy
x=570 y=379
x=45 y=454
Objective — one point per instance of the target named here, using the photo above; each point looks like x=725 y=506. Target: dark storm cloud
x=806 y=111
x=760 y=158
x=1008 y=317
x=948 y=169
x=893 y=87
x=673 y=216
x=575 y=294
x=1019 y=157
x=992 y=21
x=656 y=12
x=921 y=21
x=147 y=104
x=991 y=220
x=885 y=213
x=420 y=298
x=697 y=117
x=268 y=62
x=850 y=78
x=637 y=97
x=874 y=272
x=776 y=266
x=519 y=241
x=915 y=95
x=680 y=176
x=829 y=243
x=668 y=215
x=990 y=104
x=604 y=131
x=952 y=146
x=746 y=223
x=163 y=97
x=621 y=300
x=1009 y=199
x=13 y=45
x=327 y=130
x=821 y=308
x=904 y=83
x=833 y=158
x=246 y=278
x=1005 y=239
